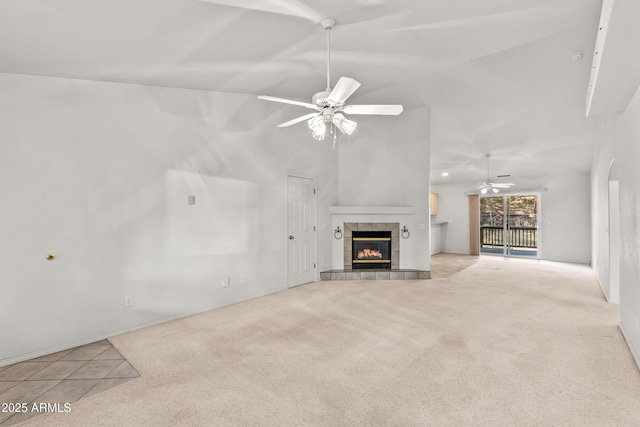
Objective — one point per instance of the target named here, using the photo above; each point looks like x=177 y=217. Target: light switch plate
x=225 y=282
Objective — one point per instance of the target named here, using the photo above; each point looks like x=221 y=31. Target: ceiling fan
x=492 y=185
x=329 y=105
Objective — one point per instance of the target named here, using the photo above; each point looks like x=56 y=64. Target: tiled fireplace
x=351 y=227
x=375 y=262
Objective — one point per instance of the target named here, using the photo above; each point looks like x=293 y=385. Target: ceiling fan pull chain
x=335 y=135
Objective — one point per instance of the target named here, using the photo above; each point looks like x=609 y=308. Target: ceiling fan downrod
x=328 y=24
x=488 y=175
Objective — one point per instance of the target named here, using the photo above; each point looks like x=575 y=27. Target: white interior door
x=301 y=233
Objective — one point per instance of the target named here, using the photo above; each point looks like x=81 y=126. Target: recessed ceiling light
x=445 y=173
x=577 y=55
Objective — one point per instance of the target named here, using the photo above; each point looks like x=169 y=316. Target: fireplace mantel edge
x=371 y=210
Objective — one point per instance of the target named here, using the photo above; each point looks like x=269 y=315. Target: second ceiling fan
x=329 y=105
x=493 y=186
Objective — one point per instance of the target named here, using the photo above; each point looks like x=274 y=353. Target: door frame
x=314 y=219
x=613 y=230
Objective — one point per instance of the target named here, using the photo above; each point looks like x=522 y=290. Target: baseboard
x=633 y=351
x=51 y=350
x=44 y=352
x=606 y=296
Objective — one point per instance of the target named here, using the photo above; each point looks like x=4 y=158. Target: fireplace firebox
x=371 y=249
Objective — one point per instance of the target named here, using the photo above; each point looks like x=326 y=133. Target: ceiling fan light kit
x=330 y=103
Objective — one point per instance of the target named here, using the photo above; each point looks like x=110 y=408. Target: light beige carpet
x=502 y=343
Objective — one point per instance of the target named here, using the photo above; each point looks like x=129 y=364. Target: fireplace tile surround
x=395 y=273
x=350 y=227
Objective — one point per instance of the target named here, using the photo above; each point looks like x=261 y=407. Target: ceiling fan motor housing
x=327 y=114
x=320 y=98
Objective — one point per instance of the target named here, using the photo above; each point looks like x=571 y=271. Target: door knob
x=291 y=237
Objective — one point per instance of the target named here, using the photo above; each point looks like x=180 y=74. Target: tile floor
x=445 y=265
x=63 y=378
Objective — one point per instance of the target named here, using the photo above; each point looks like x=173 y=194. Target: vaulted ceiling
x=497 y=75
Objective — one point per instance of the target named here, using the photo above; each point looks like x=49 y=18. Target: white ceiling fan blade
x=298 y=120
x=387 y=110
x=505 y=185
x=283 y=7
x=287 y=101
x=343 y=89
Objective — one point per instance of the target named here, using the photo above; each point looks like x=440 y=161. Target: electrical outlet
x=191 y=200
x=243 y=278
x=225 y=282
x=128 y=301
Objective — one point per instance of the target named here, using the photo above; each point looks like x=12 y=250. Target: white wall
x=564 y=212
x=619 y=138
x=453 y=208
x=566 y=218
x=436 y=238
x=99 y=174
x=387 y=164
